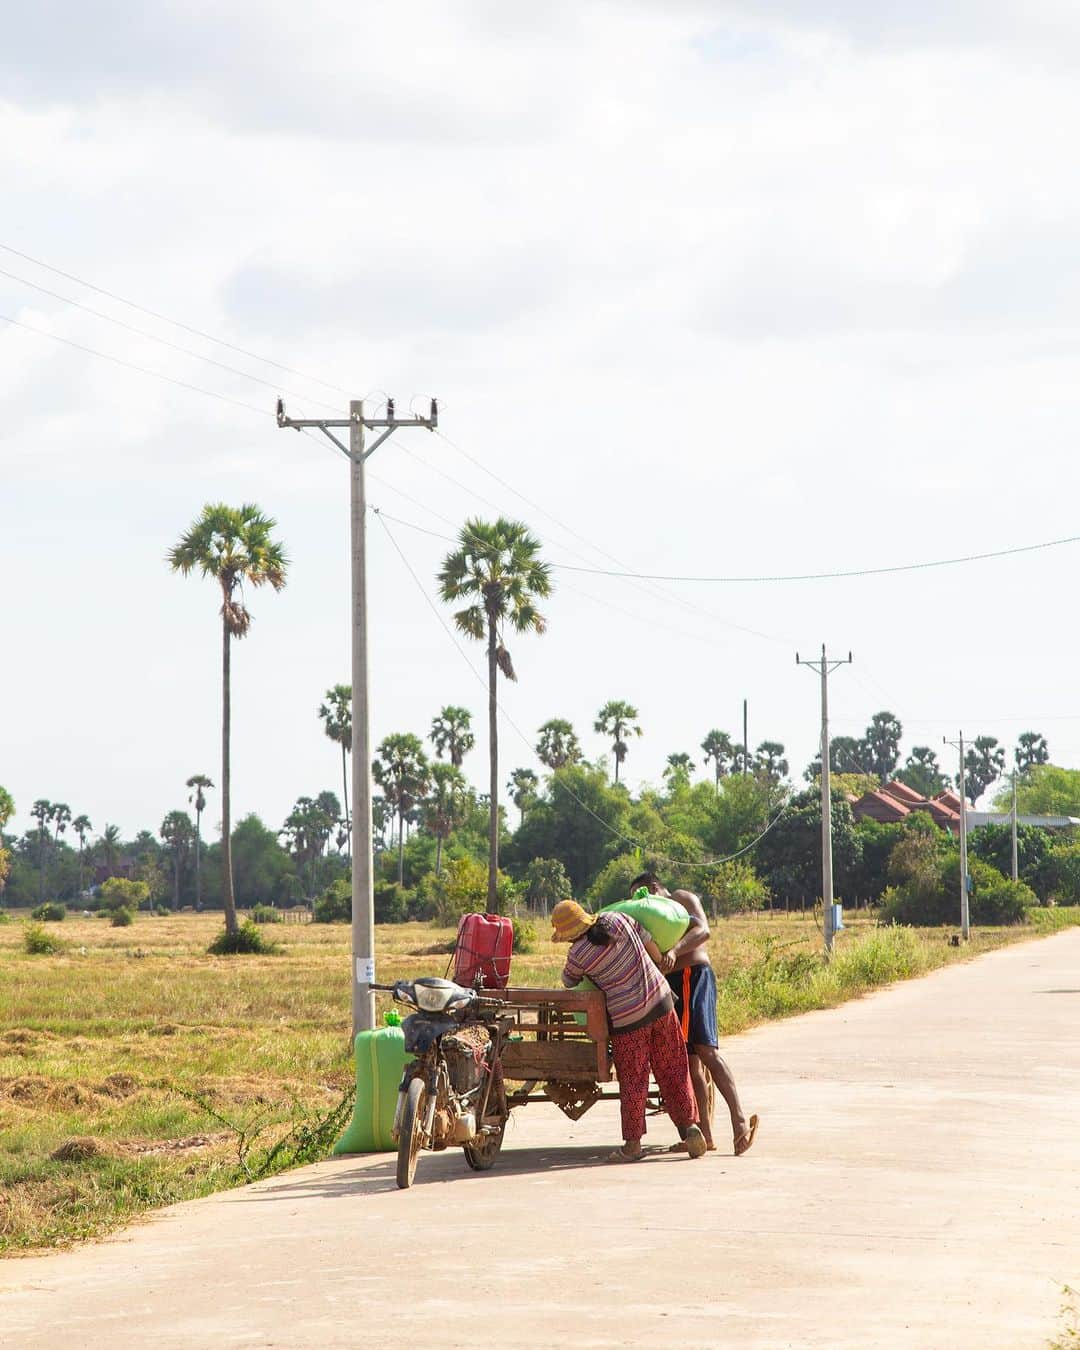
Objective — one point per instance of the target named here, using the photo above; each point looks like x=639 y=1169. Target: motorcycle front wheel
x=411 y=1132
x=481 y=1154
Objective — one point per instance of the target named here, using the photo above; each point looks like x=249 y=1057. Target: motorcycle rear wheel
x=481 y=1154
x=411 y=1132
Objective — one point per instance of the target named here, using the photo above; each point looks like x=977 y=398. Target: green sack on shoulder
x=664 y=920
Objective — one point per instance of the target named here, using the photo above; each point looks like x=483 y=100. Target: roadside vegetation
x=136 y=1070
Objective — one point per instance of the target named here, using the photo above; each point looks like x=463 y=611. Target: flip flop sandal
x=741 y=1145
x=620 y=1157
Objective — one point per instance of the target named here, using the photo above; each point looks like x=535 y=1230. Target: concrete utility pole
x=1015 y=868
x=363 y=906
x=824 y=668
x=965 y=906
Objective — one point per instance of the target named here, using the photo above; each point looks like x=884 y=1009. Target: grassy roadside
x=127 y=1060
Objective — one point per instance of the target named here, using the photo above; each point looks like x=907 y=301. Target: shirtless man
x=690 y=975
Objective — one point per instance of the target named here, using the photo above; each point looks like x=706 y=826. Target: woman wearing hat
x=620 y=958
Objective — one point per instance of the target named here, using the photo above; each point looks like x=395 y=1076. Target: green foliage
x=38 y=941
x=789 y=856
x=120 y=893
x=869 y=876
x=391 y=902
x=558 y=744
x=929 y=894
x=558 y=827
x=246 y=941
x=525 y=936
x=335 y=903
x=544 y=884
x=733 y=888
x=122 y=917
x=1044 y=790
x=617 y=719
x=993 y=844
x=1059 y=875
x=922 y=772
x=49 y=912
x=266 y=914
x=984 y=763
x=462 y=889
x=612 y=882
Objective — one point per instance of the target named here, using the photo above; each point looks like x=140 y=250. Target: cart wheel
x=411 y=1135
x=481 y=1155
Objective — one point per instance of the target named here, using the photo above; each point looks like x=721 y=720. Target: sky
x=704 y=289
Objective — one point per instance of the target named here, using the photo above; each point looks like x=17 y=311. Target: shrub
x=162 y=911
x=119 y=893
x=247 y=940
x=122 y=917
x=38 y=941
x=734 y=888
x=265 y=914
x=462 y=889
x=1059 y=873
x=545 y=883
x=524 y=936
x=930 y=895
x=50 y=912
x=335 y=903
x=391 y=902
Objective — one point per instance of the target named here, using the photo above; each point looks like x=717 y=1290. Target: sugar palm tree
x=678 y=769
x=200 y=783
x=441 y=809
x=617 y=719
x=451 y=734
x=82 y=827
x=718 y=747
x=497 y=570
x=234 y=545
x=42 y=813
x=558 y=744
x=178 y=834
x=107 y=847
x=402 y=771
x=336 y=714
x=522 y=787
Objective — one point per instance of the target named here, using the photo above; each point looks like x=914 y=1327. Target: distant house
x=881 y=806
x=895 y=801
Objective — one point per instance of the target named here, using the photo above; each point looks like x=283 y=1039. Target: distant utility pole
x=363 y=907
x=965 y=907
x=824 y=668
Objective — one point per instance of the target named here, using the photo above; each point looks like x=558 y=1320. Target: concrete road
x=916 y=1182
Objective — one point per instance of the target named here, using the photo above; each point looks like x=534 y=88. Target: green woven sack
x=380 y=1059
x=664 y=920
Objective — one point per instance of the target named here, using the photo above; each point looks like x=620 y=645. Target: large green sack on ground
x=380 y=1058
x=663 y=919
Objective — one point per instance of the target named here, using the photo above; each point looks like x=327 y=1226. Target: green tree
x=881 y=745
x=617 y=719
x=678 y=769
x=336 y=714
x=7 y=810
x=558 y=744
x=82 y=827
x=922 y=772
x=200 y=783
x=544 y=884
x=179 y=835
x=307 y=830
x=847 y=754
x=578 y=820
x=451 y=735
x=789 y=856
x=236 y=547
x=262 y=872
x=718 y=747
x=402 y=771
x=984 y=764
x=498 y=570
x=1045 y=790
x=108 y=847
x=446 y=789
x=769 y=762
x=523 y=786
x=1031 y=749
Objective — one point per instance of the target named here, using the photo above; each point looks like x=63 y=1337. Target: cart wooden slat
x=547 y=1042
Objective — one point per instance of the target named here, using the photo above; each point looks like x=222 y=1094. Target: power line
x=130 y=365
x=629 y=839
x=164 y=318
x=153 y=337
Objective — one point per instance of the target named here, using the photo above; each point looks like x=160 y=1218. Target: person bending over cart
x=621 y=959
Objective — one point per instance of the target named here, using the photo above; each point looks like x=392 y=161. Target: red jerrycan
x=483 y=947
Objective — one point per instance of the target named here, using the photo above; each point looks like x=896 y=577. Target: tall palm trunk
x=228 y=899
x=345 y=792
x=198 y=856
x=176 y=881
x=616 y=763
x=401 y=846
x=438 y=853
x=493 y=759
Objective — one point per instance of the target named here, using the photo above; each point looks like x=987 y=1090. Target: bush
x=335 y=903
x=462 y=889
x=162 y=911
x=247 y=940
x=50 y=912
x=265 y=914
x=38 y=941
x=930 y=895
x=524 y=936
x=391 y=902
x=1059 y=873
x=119 y=893
x=122 y=917
x=733 y=888
x=545 y=883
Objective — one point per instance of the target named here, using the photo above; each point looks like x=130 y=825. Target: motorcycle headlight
x=433 y=996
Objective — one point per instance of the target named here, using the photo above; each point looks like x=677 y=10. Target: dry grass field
x=131 y=1062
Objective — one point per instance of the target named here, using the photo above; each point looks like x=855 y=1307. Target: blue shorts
x=694 y=988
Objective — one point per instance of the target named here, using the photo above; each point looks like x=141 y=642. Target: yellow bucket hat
x=569 y=921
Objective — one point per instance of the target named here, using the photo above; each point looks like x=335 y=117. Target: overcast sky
x=721 y=288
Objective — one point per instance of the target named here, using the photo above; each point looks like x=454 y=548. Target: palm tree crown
x=617 y=719
x=451 y=734
x=336 y=714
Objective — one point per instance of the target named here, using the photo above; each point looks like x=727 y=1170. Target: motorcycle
x=452 y=1089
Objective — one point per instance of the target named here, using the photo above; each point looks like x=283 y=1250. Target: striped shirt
x=635 y=991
